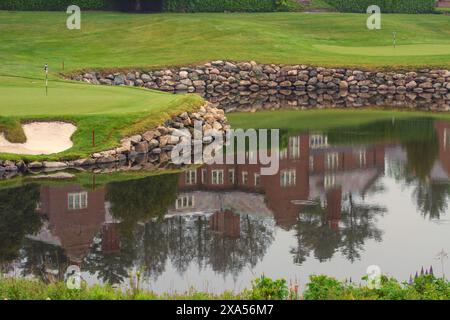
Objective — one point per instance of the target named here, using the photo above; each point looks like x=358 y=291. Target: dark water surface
x=344 y=199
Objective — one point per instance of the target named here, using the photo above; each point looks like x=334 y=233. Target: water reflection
x=329 y=206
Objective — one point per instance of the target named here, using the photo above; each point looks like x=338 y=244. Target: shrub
x=168 y=5
x=230 y=5
x=267 y=289
x=323 y=288
x=424 y=287
x=52 y=5
x=387 y=6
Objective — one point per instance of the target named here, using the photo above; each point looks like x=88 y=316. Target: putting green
x=25 y=97
x=399 y=50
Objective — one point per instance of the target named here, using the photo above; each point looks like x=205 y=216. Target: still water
x=344 y=199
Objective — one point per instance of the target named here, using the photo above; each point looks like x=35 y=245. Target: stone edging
x=154 y=145
x=225 y=77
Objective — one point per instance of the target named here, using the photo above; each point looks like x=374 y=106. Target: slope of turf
x=115 y=40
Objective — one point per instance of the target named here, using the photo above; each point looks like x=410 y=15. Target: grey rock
x=54 y=164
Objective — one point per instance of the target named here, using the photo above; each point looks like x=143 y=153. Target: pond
x=344 y=199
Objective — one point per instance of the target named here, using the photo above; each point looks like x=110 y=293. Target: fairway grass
x=390 y=51
x=116 y=40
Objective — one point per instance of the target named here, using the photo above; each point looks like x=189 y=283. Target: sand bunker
x=42 y=138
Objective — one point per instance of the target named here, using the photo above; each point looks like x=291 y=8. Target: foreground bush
x=387 y=6
x=426 y=287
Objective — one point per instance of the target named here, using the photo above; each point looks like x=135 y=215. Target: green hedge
x=387 y=6
x=46 y=5
x=229 y=5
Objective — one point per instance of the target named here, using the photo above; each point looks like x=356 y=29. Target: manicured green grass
x=116 y=40
x=26 y=97
x=402 y=50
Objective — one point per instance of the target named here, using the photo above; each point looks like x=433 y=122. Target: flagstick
x=46 y=79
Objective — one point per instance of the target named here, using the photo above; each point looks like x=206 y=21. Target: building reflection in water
x=311 y=171
x=75 y=216
x=314 y=176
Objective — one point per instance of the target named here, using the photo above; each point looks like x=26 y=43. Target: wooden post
x=93 y=137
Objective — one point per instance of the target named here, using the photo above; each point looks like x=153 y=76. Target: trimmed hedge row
x=52 y=5
x=387 y=6
x=228 y=5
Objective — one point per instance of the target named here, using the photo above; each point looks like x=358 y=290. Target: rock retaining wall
x=151 y=149
x=341 y=86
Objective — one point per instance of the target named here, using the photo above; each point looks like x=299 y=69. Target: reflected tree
x=358 y=225
x=44 y=261
x=316 y=234
x=140 y=200
x=18 y=218
x=187 y=240
x=422 y=153
x=110 y=267
x=432 y=198
x=132 y=202
x=422 y=156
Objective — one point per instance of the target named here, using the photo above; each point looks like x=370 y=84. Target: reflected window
x=362 y=158
x=244 y=177
x=332 y=161
x=217 y=176
x=318 y=141
x=446 y=139
x=203 y=175
x=283 y=154
x=294 y=147
x=257 y=180
x=77 y=201
x=184 y=202
x=288 y=178
x=231 y=176
x=311 y=163
x=329 y=181
x=191 y=177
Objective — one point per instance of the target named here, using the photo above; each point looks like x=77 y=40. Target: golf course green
x=116 y=41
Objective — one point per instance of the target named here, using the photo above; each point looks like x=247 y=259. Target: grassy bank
x=425 y=287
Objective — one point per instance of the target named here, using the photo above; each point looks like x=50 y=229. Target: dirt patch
x=42 y=138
